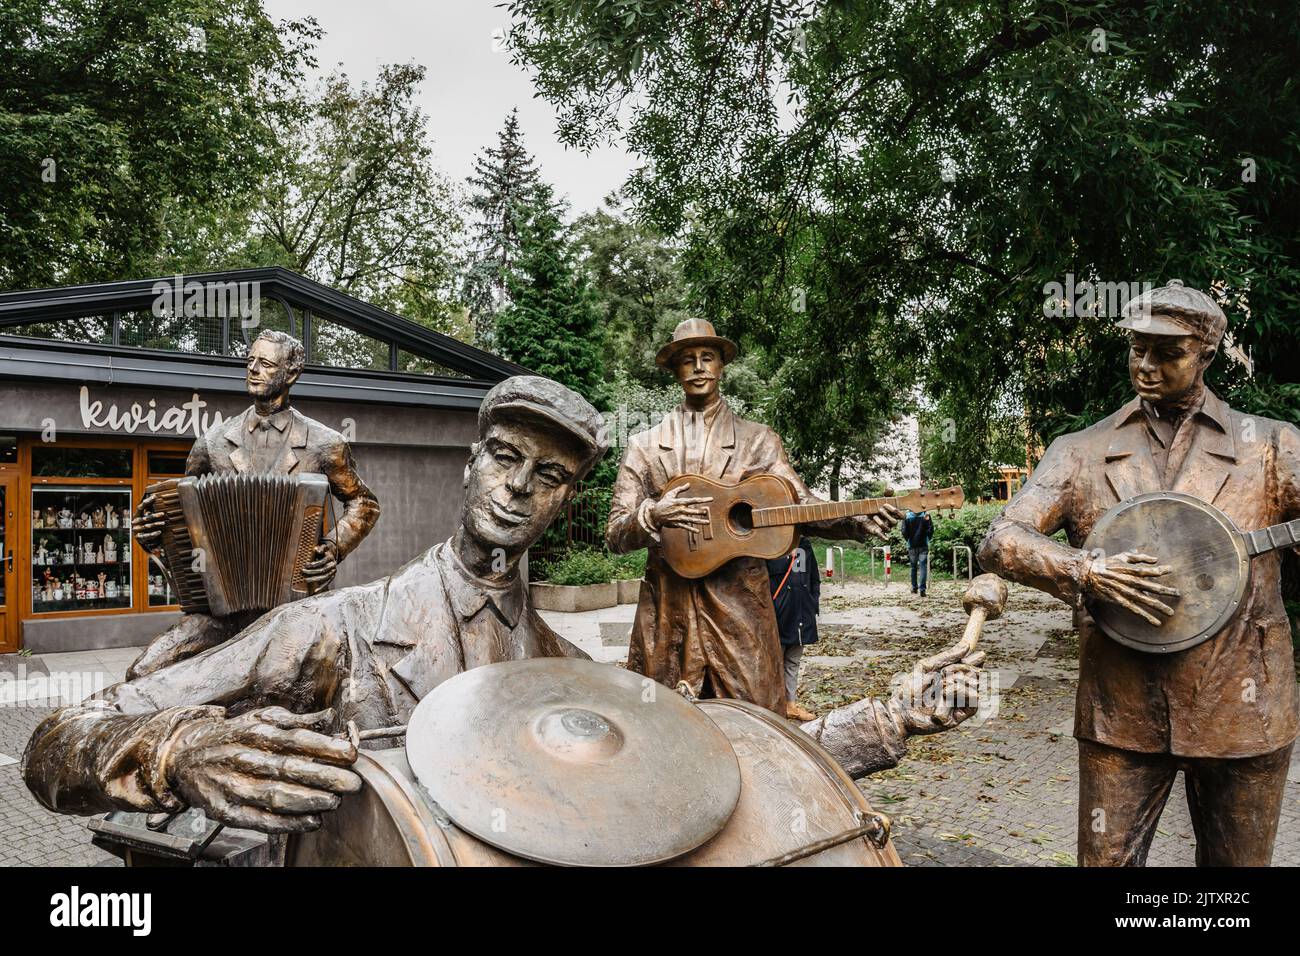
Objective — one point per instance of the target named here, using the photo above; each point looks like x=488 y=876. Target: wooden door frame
x=9 y=620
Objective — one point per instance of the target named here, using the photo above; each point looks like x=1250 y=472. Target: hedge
x=579 y=566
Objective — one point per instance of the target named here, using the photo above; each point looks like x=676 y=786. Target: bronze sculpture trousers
x=1234 y=803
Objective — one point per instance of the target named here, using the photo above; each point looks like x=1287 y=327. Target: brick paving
x=29 y=834
x=1006 y=793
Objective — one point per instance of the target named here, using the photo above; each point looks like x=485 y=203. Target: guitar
x=757 y=518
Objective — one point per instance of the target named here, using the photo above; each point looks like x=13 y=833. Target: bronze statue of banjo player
x=270 y=437
x=1185 y=658
x=248 y=732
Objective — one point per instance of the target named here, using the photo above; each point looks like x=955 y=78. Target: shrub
x=590 y=566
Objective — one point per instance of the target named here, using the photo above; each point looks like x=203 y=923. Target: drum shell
x=793 y=793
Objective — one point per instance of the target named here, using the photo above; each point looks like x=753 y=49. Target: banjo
x=1211 y=566
x=758 y=518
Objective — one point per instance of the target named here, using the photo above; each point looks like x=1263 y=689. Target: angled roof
x=302 y=298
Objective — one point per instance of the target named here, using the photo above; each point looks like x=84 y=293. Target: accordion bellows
x=238 y=542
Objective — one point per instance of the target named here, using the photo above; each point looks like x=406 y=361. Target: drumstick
x=984 y=600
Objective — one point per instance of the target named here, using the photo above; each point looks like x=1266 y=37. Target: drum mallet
x=984 y=600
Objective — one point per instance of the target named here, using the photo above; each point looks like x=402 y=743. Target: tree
x=133 y=134
x=506 y=182
x=918 y=176
x=360 y=204
x=550 y=325
x=638 y=288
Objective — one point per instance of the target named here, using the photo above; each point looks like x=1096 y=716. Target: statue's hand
x=264 y=770
x=879 y=524
x=320 y=572
x=940 y=692
x=673 y=511
x=147 y=524
x=1125 y=579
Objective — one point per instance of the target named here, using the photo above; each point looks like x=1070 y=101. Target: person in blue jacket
x=796 y=592
x=918 y=529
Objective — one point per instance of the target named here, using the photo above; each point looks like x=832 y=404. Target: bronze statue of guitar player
x=718 y=632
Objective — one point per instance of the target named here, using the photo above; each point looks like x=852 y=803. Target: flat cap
x=541 y=400
x=1174 y=309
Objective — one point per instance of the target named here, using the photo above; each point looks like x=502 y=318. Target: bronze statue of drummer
x=1224 y=711
x=252 y=732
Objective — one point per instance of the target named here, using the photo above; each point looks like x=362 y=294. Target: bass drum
x=792 y=794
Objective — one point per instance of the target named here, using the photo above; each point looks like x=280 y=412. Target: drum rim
x=826 y=764
x=1243 y=579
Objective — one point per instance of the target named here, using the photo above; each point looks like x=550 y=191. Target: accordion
x=239 y=542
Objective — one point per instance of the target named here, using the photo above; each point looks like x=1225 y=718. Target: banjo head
x=1211 y=568
x=574 y=763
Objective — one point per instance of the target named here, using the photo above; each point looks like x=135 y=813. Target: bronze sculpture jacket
x=1232 y=696
x=717 y=633
x=371 y=652
x=297 y=445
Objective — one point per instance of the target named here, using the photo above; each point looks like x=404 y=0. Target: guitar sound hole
x=741 y=517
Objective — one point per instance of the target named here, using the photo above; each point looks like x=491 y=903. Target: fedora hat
x=695 y=332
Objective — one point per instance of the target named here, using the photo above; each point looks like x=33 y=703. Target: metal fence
x=580 y=524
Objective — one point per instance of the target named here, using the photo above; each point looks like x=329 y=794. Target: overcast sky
x=469 y=87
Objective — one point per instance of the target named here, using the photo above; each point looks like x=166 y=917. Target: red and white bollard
x=886 y=564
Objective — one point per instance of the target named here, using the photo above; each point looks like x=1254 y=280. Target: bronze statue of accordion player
x=270 y=439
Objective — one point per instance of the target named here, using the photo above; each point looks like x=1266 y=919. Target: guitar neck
x=1286 y=535
x=828 y=510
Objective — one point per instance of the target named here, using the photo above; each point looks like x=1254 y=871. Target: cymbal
x=574 y=763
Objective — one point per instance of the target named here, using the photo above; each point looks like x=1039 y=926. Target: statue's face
x=1163 y=367
x=268 y=369
x=516 y=484
x=698 y=370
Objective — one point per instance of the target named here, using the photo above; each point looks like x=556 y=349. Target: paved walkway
x=30 y=689
x=1000 y=793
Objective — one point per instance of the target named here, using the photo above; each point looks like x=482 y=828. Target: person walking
x=918 y=529
x=796 y=595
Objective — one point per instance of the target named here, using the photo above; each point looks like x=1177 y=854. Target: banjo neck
x=781 y=515
x=1273 y=538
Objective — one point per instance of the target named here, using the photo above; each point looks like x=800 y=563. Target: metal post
x=832 y=565
x=955 y=549
x=884 y=553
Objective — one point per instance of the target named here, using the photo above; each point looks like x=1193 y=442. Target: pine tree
x=551 y=323
x=505 y=181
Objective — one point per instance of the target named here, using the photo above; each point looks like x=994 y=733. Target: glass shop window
x=81 y=549
x=8 y=449
x=55 y=461
x=166 y=464
x=163 y=464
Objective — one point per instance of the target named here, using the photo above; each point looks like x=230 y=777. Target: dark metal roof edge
x=323 y=384
x=28 y=306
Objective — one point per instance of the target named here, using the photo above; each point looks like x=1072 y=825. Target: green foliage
x=638 y=289
x=550 y=325
x=579 y=566
x=968 y=455
x=359 y=204
x=934 y=167
x=965 y=526
x=505 y=183
x=133 y=137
